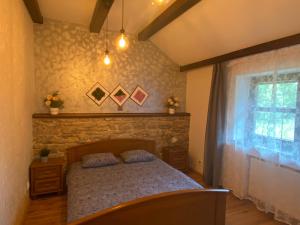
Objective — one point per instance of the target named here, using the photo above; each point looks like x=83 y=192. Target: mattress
x=93 y=189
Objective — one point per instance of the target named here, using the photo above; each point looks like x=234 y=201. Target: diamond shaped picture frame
x=119 y=95
x=98 y=94
x=139 y=96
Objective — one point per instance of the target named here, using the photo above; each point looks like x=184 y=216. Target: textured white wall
x=197 y=98
x=69 y=59
x=16 y=100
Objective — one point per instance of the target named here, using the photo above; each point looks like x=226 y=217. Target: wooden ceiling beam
x=100 y=13
x=170 y=14
x=264 y=47
x=34 y=10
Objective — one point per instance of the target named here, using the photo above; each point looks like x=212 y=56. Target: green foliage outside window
x=275 y=112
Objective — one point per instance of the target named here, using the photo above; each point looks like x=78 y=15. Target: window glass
x=264 y=95
x=284 y=126
x=262 y=123
x=286 y=94
x=275 y=125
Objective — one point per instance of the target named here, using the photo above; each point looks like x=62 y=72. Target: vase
x=44 y=159
x=54 y=111
x=171 y=111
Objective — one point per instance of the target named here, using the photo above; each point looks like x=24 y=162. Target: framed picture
x=119 y=95
x=98 y=93
x=139 y=95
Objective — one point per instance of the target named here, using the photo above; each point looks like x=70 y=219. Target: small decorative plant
x=54 y=102
x=44 y=153
x=172 y=104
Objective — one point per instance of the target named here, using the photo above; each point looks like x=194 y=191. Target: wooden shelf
x=105 y=115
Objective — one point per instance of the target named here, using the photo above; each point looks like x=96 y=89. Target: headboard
x=116 y=146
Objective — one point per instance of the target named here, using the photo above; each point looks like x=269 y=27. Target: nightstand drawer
x=177 y=161
x=47 y=185
x=46 y=172
x=181 y=167
x=178 y=156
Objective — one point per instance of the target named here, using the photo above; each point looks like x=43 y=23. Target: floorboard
x=52 y=210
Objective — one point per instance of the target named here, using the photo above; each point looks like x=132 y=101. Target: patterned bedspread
x=94 y=189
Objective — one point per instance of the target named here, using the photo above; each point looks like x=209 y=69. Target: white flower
x=49 y=97
x=176 y=104
x=171 y=103
x=48 y=103
x=55 y=98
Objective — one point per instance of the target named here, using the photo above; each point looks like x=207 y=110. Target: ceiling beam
x=34 y=10
x=170 y=14
x=264 y=47
x=100 y=13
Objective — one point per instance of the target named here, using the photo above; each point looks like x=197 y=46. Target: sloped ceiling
x=210 y=28
x=215 y=27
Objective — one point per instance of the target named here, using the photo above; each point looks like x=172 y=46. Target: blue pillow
x=137 y=156
x=99 y=160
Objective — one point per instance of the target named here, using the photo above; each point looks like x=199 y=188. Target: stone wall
x=69 y=58
x=58 y=134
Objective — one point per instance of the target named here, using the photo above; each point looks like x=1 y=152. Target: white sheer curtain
x=262 y=152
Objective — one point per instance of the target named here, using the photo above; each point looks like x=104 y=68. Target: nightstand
x=177 y=157
x=47 y=177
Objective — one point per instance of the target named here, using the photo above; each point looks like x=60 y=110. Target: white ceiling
x=73 y=11
x=215 y=27
x=210 y=28
x=138 y=13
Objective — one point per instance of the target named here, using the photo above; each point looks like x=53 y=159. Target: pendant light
x=122 y=42
x=106 y=58
x=159 y=2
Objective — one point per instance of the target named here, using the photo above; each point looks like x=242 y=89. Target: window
x=275 y=111
x=274 y=115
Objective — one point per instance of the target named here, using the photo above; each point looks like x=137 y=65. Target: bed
x=148 y=193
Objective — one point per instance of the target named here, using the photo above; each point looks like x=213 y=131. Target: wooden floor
x=53 y=210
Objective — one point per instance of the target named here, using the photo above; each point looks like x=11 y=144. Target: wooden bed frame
x=185 y=207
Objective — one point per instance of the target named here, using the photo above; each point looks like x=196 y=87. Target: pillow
x=99 y=160
x=137 y=156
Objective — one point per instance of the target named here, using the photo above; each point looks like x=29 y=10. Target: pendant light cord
x=122 y=14
x=106 y=41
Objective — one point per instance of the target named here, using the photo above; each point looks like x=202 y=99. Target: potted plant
x=44 y=154
x=172 y=104
x=54 y=103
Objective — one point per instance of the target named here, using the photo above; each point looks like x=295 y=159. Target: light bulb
x=159 y=2
x=106 y=58
x=122 y=42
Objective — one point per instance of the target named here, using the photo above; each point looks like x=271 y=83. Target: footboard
x=187 y=207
